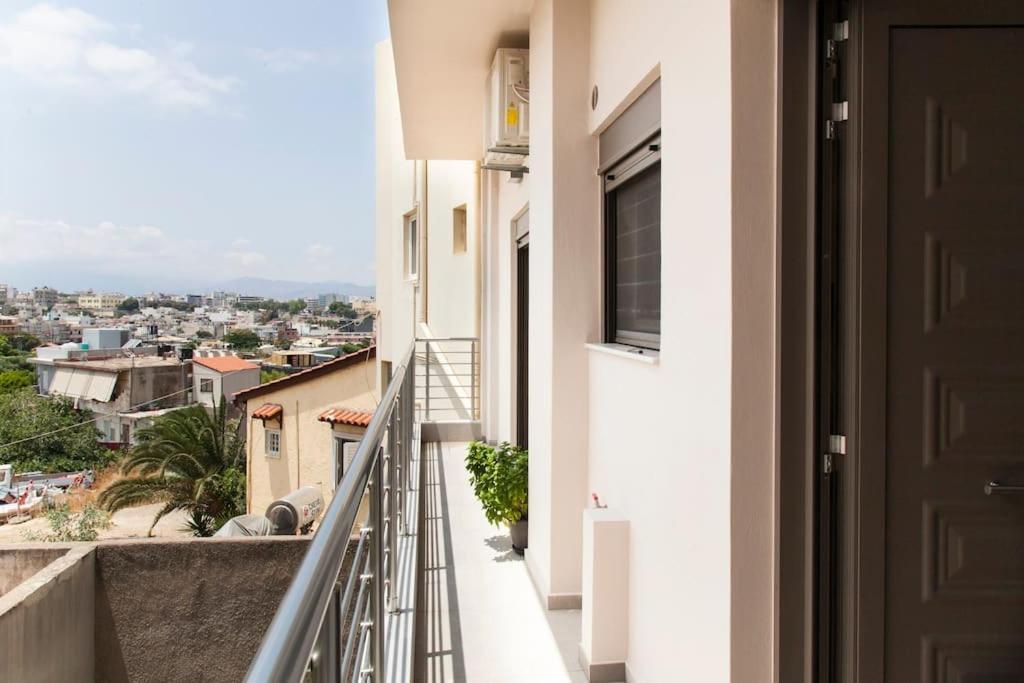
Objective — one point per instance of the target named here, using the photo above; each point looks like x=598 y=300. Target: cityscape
x=532 y=341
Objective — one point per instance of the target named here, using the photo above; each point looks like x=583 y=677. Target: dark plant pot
x=519 y=532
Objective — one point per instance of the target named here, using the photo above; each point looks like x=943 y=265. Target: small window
x=206 y=386
x=633 y=249
x=342 y=455
x=273 y=443
x=459 y=229
x=411 y=240
x=629 y=159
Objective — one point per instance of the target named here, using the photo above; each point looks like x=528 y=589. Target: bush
x=25 y=414
x=500 y=480
x=68 y=526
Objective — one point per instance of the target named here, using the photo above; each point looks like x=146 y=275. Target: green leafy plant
x=188 y=460
x=500 y=480
x=48 y=434
x=72 y=526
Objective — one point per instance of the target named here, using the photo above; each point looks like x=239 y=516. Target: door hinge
x=836 y=447
x=840 y=112
x=840 y=33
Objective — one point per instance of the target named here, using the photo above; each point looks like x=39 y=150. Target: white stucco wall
x=448 y=279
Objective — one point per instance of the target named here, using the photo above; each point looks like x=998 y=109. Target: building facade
x=297 y=427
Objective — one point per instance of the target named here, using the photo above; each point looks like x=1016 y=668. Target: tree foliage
x=242 y=340
x=12 y=380
x=129 y=305
x=342 y=309
x=23 y=414
x=271 y=375
x=188 y=460
x=22 y=341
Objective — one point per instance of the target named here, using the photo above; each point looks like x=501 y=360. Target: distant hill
x=287 y=289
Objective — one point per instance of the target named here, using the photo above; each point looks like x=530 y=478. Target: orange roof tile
x=225 y=364
x=268 y=411
x=345 y=416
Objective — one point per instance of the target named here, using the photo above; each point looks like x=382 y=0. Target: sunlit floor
x=480 y=618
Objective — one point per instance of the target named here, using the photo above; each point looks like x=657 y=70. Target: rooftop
x=224 y=364
x=119 y=364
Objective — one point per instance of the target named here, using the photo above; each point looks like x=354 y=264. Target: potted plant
x=500 y=479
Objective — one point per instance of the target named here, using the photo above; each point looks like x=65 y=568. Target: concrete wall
x=187 y=610
x=224 y=385
x=306 y=443
x=19 y=563
x=46 y=622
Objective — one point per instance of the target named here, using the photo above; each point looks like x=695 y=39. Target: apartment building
x=9 y=325
x=44 y=297
x=777 y=391
x=100 y=302
x=122 y=391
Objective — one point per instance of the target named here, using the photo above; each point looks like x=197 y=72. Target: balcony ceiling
x=443 y=51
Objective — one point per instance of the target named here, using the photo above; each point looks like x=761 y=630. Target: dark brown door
x=523 y=344
x=941 y=350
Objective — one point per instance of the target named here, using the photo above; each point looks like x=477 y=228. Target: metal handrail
x=304 y=636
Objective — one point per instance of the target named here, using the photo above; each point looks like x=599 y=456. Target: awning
x=345 y=416
x=268 y=411
x=80 y=383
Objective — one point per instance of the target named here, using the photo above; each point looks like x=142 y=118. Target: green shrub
x=68 y=526
x=500 y=480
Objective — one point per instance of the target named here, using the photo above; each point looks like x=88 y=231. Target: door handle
x=996 y=487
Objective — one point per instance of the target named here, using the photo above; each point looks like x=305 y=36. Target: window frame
x=203 y=382
x=460 y=230
x=411 y=245
x=267 y=433
x=646 y=155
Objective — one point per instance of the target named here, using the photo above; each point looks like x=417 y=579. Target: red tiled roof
x=225 y=364
x=268 y=411
x=345 y=416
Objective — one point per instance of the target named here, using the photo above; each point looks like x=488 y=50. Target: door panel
x=952 y=214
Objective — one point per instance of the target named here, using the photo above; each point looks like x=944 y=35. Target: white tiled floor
x=481 y=619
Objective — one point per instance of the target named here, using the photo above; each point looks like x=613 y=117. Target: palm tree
x=188 y=460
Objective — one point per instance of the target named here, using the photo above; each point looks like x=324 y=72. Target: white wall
x=653 y=440
x=448 y=280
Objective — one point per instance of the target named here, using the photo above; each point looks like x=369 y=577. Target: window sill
x=647 y=356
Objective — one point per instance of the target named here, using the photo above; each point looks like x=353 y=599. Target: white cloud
x=59 y=47
x=109 y=249
x=319 y=252
x=283 y=60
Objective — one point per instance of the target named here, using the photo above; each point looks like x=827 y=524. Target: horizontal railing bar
x=429 y=340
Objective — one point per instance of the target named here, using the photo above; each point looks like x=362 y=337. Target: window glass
x=273 y=442
x=636 y=214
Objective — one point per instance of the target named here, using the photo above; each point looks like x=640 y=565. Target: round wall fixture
x=593 y=98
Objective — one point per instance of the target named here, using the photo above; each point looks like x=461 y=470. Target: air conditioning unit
x=508 y=112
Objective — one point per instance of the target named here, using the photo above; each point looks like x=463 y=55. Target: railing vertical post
x=472 y=380
x=426 y=372
x=376 y=607
x=394 y=514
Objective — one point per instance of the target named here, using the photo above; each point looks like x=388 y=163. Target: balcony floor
x=480 y=618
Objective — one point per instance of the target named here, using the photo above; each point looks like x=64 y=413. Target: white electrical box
x=508 y=108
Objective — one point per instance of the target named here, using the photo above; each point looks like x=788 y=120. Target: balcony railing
x=330 y=626
x=448 y=378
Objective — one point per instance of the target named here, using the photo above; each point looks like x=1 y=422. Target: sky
x=175 y=144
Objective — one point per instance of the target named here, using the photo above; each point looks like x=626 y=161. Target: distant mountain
x=287 y=289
